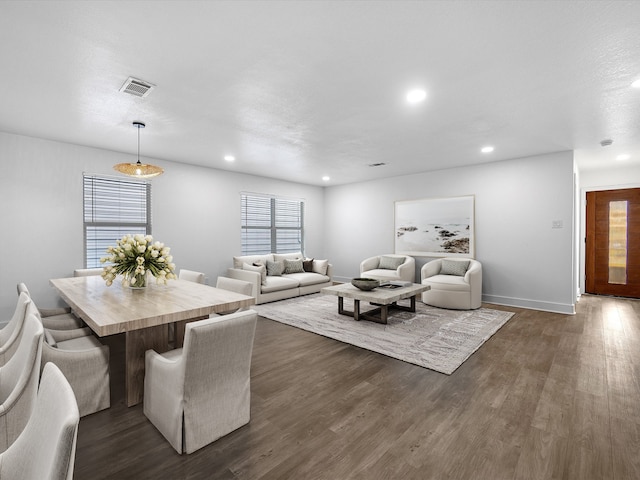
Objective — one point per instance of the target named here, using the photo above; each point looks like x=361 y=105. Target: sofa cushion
x=257 y=268
x=320 y=266
x=279 y=257
x=308 y=278
x=454 y=267
x=275 y=269
x=278 y=283
x=251 y=259
x=307 y=264
x=447 y=282
x=388 y=262
x=293 y=266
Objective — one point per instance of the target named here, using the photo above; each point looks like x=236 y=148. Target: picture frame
x=435 y=227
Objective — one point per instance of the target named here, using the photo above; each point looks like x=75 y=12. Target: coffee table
x=383 y=297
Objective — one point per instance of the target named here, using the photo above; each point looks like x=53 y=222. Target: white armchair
x=201 y=392
x=455 y=283
x=47 y=446
x=389 y=267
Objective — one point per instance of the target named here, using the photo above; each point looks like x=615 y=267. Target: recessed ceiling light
x=487 y=149
x=636 y=84
x=230 y=158
x=326 y=178
x=624 y=156
x=416 y=96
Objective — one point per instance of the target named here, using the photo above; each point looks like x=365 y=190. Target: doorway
x=612 y=250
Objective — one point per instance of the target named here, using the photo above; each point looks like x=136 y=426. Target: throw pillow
x=275 y=269
x=307 y=265
x=454 y=267
x=293 y=266
x=257 y=268
x=390 y=263
x=320 y=266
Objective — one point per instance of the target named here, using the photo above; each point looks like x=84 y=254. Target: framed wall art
x=435 y=227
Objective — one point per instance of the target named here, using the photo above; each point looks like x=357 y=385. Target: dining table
x=144 y=315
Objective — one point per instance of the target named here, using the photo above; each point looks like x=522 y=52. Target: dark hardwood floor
x=549 y=396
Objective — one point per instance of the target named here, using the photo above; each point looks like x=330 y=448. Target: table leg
x=384 y=311
x=137 y=343
x=356 y=310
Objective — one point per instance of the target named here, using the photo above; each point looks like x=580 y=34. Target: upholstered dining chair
x=191 y=276
x=10 y=334
x=456 y=283
x=233 y=285
x=201 y=392
x=54 y=318
x=87 y=272
x=46 y=448
x=19 y=381
x=389 y=268
x=84 y=361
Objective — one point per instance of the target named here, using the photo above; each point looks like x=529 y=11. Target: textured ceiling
x=298 y=90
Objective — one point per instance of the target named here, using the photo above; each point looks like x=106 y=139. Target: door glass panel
x=618 y=242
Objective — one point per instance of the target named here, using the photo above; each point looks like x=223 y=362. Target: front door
x=612 y=260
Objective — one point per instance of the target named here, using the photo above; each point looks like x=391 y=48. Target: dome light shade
x=138 y=169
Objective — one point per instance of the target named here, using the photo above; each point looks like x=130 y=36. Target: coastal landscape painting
x=435 y=227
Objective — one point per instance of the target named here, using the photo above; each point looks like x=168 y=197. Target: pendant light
x=138 y=169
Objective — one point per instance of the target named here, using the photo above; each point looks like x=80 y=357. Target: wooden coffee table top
x=380 y=295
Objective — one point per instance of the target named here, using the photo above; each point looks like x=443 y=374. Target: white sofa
x=455 y=283
x=271 y=287
x=391 y=267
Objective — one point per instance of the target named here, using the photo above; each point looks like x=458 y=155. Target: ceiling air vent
x=136 y=87
x=379 y=164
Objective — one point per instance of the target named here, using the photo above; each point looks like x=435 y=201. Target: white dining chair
x=233 y=285
x=201 y=392
x=10 y=334
x=46 y=448
x=191 y=276
x=19 y=381
x=59 y=318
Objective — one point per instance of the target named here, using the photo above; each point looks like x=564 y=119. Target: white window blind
x=113 y=207
x=271 y=225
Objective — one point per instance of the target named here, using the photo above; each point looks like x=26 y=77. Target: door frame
x=583 y=225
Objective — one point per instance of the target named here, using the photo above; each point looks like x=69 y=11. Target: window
x=113 y=207
x=271 y=225
x=618 y=242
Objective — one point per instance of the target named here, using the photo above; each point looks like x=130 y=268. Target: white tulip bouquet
x=133 y=257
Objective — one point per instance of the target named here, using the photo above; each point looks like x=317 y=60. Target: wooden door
x=612 y=260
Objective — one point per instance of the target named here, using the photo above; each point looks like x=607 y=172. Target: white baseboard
x=567 y=309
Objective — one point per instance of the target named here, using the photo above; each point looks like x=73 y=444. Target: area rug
x=433 y=338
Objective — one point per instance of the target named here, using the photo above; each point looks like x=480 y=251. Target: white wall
x=196 y=211
x=612 y=178
x=525 y=261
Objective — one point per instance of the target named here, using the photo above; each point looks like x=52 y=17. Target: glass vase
x=140 y=281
